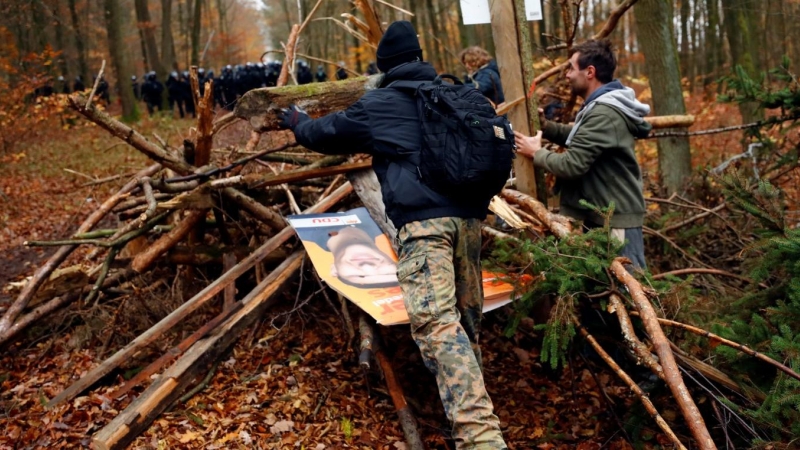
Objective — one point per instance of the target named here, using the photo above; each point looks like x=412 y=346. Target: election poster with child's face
x=353 y=256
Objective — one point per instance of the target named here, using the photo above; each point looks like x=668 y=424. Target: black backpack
x=467 y=149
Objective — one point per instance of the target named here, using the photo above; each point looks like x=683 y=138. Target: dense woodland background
x=710 y=36
x=43 y=40
x=722 y=231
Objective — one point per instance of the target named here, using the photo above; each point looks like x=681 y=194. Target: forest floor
x=290 y=382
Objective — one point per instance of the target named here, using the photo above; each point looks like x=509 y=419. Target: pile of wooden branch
x=187 y=199
x=178 y=206
x=656 y=353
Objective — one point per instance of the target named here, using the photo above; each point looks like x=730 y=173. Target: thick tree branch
x=129 y=135
x=559 y=225
x=662 y=348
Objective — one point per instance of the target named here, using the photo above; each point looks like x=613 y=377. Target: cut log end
x=260 y=106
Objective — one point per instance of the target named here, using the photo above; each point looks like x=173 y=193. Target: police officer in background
x=152 y=91
x=62 y=87
x=341 y=74
x=78 y=85
x=185 y=89
x=228 y=87
x=137 y=88
x=217 y=95
x=273 y=72
x=174 y=93
x=102 y=90
x=304 y=75
x=321 y=75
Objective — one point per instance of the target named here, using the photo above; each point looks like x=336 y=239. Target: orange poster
x=353 y=256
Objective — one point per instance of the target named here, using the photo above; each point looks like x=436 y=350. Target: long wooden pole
x=648 y=404
x=404 y=414
x=672 y=374
x=507 y=54
x=159 y=395
x=192 y=304
x=536 y=176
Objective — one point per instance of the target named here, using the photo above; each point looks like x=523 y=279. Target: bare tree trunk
x=145 y=59
x=777 y=39
x=419 y=24
x=356 y=44
x=695 y=45
x=468 y=33
x=60 y=42
x=37 y=32
x=684 y=55
x=655 y=38
x=434 y=53
x=167 y=43
x=741 y=28
x=712 y=41
x=196 y=22
x=119 y=60
x=147 y=28
x=223 y=28
x=181 y=56
x=83 y=68
x=794 y=46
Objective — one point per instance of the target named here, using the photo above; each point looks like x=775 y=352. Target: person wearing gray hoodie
x=600 y=164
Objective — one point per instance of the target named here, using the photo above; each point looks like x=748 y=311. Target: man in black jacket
x=439 y=269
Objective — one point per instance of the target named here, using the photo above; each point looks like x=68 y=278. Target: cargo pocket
x=414 y=276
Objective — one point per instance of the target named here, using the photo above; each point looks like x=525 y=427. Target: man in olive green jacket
x=600 y=164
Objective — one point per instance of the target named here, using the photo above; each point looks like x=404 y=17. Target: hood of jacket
x=623 y=99
x=410 y=71
x=492 y=65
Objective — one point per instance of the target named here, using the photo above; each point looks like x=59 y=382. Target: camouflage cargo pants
x=440 y=276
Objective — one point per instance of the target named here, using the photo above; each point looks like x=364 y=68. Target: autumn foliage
x=23 y=114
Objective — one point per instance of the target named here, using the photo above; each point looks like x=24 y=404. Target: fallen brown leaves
x=298 y=386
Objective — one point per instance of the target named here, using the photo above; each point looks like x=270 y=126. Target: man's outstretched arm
x=343 y=132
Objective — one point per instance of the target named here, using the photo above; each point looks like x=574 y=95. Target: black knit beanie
x=398 y=45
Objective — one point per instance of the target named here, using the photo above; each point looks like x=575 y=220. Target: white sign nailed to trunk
x=477 y=11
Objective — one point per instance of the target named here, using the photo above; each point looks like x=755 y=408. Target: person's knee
x=444 y=323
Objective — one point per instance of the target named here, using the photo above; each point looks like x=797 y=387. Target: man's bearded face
x=577 y=77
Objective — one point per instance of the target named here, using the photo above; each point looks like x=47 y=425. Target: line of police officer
x=61 y=86
x=231 y=84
